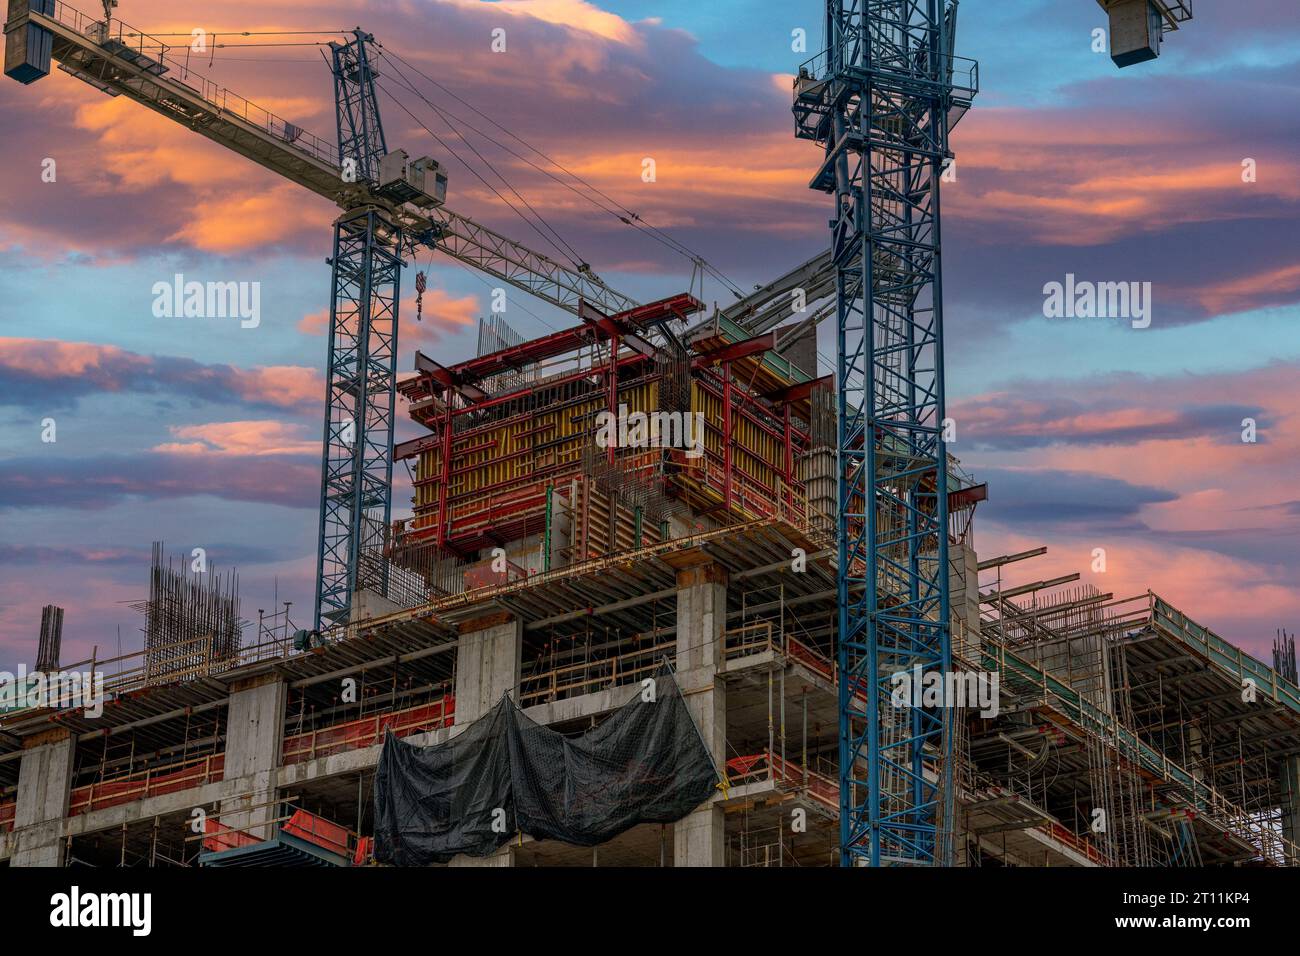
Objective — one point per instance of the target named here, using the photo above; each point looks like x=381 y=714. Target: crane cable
x=574 y=256
x=618 y=210
x=470 y=166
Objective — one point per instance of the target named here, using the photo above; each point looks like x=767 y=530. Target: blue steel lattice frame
x=360 y=399
x=357 y=459
x=356 y=108
x=881 y=100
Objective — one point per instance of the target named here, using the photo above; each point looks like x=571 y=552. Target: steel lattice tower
x=881 y=100
x=357 y=460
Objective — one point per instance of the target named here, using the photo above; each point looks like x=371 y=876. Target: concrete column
x=699 y=839
x=489 y=656
x=502 y=857
x=44 y=789
x=964 y=600
x=254 y=743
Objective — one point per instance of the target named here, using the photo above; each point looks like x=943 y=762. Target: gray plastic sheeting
x=506 y=774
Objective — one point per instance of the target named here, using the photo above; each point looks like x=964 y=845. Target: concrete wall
x=964 y=600
x=367 y=604
x=44 y=788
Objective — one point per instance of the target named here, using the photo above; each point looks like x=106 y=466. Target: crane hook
x=419 y=295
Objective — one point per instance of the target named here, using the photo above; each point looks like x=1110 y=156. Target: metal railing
x=588 y=677
x=367 y=731
x=760 y=637
x=119 y=38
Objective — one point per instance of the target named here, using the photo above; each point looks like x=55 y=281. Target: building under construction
x=653 y=506
x=543 y=566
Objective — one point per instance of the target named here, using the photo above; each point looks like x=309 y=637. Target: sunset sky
x=1090 y=433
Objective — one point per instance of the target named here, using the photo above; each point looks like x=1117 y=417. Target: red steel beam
x=738 y=350
x=568 y=340
x=798 y=391
x=448 y=378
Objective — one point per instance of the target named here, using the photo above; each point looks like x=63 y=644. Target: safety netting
x=505 y=774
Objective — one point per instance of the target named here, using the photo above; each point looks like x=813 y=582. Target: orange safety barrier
x=322 y=832
x=1071 y=839
x=810 y=658
x=223 y=838
x=763 y=766
x=820 y=788
x=354 y=734
x=741 y=766
x=7 y=811
x=365 y=850
x=146 y=783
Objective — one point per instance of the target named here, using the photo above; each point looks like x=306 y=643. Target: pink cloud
x=69 y=369
x=253 y=438
x=1224 y=593
x=285 y=386
x=443 y=314
x=1077 y=177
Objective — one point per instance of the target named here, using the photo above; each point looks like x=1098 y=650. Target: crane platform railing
x=151 y=55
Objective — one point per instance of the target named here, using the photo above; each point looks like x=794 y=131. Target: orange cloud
x=285 y=386
x=575 y=14
x=252 y=438
x=1276 y=286
x=84 y=367
x=232 y=204
x=1070 y=181
x=227 y=225
x=44 y=358
x=317 y=323
x=442 y=313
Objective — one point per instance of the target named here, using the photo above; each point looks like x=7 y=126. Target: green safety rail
x=1093 y=719
x=1233 y=661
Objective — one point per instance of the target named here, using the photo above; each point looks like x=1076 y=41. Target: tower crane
x=391 y=204
x=881 y=100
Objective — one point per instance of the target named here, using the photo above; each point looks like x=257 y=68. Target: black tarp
x=506 y=774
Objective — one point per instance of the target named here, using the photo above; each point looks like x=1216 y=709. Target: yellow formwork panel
x=520 y=449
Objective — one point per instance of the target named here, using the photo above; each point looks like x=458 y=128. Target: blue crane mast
x=393 y=205
x=361 y=369
x=881 y=100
